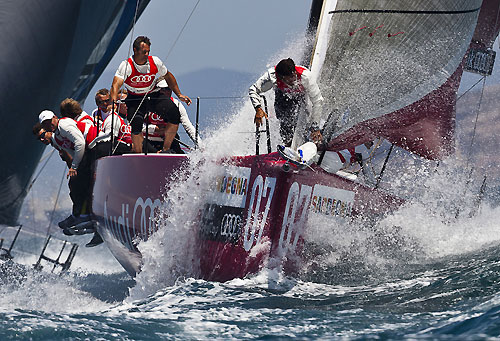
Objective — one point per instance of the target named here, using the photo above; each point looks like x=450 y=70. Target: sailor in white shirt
x=138 y=74
x=291 y=83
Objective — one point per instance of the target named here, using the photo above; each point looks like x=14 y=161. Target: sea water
x=430 y=270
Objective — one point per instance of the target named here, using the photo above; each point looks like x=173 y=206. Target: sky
x=225 y=34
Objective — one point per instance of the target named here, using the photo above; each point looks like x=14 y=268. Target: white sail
x=383 y=55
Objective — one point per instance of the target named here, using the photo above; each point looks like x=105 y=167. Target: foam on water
x=170 y=252
x=27 y=289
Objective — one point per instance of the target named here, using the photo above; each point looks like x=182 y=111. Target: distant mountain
x=213 y=86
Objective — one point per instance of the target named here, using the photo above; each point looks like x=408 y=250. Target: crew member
x=102 y=100
x=101 y=146
x=47 y=137
x=69 y=137
x=291 y=83
x=74 y=137
x=156 y=126
x=138 y=73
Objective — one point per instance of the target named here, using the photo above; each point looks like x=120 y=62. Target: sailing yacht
x=387 y=69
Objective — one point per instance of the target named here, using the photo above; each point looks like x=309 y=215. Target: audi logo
x=146 y=217
x=155 y=117
x=142 y=79
x=125 y=128
x=230 y=225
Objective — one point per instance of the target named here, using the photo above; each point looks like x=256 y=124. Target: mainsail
x=392 y=68
x=52 y=49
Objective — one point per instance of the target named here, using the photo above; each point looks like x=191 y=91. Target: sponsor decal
x=125 y=129
x=221 y=223
x=222 y=216
x=230 y=188
x=119 y=226
x=155 y=118
x=142 y=79
x=330 y=201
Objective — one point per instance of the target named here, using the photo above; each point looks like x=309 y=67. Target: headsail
x=391 y=69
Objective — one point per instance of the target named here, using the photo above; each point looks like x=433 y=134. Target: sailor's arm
x=115 y=87
x=263 y=84
x=172 y=84
x=66 y=157
x=72 y=133
x=186 y=122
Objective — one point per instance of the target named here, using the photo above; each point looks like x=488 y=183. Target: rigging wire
x=41 y=169
x=112 y=132
x=94 y=65
x=469 y=156
x=475 y=124
x=462 y=95
x=183 y=27
x=55 y=203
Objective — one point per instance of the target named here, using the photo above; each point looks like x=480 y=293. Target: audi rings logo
x=155 y=117
x=146 y=217
x=230 y=226
x=142 y=79
x=119 y=225
x=125 y=129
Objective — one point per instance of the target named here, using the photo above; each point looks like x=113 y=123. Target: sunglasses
x=42 y=135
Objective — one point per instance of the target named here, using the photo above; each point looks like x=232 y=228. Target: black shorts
x=155 y=102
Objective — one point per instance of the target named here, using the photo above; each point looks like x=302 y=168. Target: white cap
x=45 y=115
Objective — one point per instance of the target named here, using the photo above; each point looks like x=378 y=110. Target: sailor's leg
x=135 y=116
x=170 y=132
x=80 y=187
x=73 y=194
x=169 y=112
x=137 y=140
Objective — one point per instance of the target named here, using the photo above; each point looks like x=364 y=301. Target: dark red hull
x=255 y=211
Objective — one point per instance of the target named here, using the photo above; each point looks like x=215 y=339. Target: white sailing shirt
x=70 y=138
x=268 y=81
x=124 y=71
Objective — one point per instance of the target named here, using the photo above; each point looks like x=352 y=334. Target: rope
x=55 y=203
x=462 y=95
x=171 y=49
x=183 y=27
x=41 y=169
x=475 y=125
x=126 y=67
x=100 y=28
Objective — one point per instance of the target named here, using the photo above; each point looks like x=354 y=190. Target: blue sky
x=227 y=34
